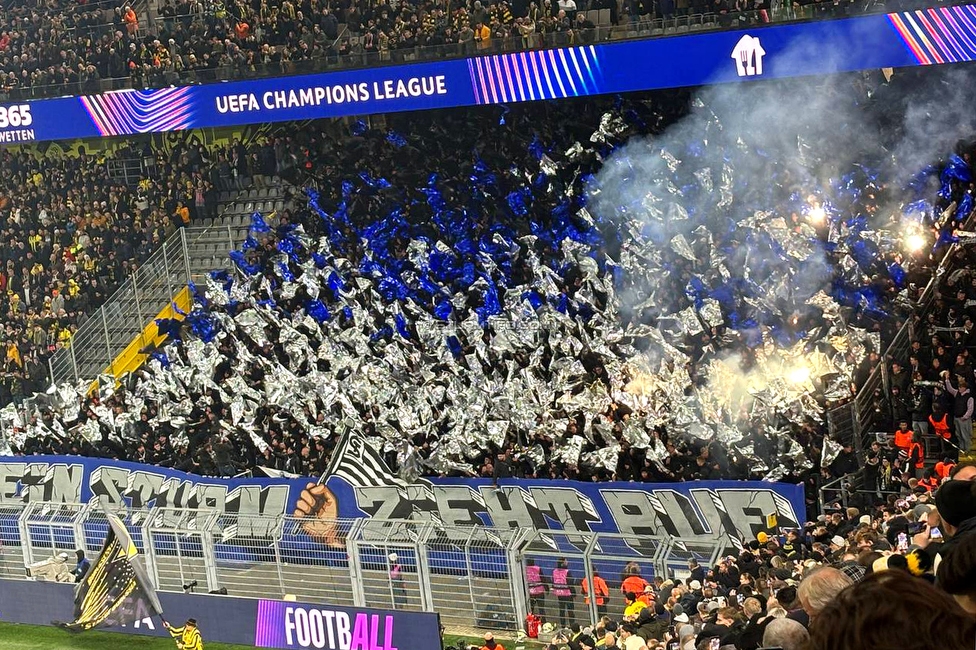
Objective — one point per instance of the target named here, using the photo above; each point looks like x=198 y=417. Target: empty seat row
x=250 y=195
x=250 y=207
x=599 y=17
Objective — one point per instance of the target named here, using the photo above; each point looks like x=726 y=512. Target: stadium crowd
x=374 y=302
x=57 y=47
x=73 y=234
x=897 y=575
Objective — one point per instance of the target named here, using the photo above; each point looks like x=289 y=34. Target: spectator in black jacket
x=921 y=404
x=726 y=626
x=901 y=408
x=846 y=461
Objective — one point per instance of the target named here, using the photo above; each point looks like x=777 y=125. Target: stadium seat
x=604 y=17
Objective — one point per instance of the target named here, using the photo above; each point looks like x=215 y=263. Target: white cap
x=694 y=585
x=393 y=557
x=837 y=540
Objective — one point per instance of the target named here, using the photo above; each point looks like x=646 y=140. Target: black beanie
x=956 y=501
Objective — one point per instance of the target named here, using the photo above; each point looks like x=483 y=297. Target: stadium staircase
x=116 y=338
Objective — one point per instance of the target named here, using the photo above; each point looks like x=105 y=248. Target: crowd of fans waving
x=297 y=438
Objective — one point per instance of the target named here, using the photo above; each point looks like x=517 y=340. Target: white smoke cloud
x=739 y=152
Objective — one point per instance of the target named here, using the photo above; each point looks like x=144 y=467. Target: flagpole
x=337 y=455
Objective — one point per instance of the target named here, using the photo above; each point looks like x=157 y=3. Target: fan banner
x=360 y=486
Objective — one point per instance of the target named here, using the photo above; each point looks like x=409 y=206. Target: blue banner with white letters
x=924 y=37
x=735 y=510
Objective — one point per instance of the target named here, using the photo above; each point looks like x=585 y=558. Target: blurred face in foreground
x=965 y=474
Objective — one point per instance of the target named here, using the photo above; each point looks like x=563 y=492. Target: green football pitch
x=35 y=637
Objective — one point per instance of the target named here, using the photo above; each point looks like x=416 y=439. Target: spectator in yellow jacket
x=482 y=36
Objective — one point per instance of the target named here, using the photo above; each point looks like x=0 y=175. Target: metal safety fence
x=473 y=576
x=187 y=255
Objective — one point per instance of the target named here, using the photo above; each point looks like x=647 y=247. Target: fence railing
x=864 y=400
x=471 y=575
x=183 y=257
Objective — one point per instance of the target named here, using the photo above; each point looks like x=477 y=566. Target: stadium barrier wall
x=777 y=51
x=470 y=575
x=245 y=621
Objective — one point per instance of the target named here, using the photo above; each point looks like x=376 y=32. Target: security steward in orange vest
x=600 y=592
x=939 y=420
x=903 y=436
x=634 y=584
x=930 y=481
x=944 y=467
x=916 y=456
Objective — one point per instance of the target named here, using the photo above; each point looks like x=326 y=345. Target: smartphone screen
x=714 y=644
x=935 y=533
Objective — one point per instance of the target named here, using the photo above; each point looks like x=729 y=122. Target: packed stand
x=54 y=47
x=531 y=327
x=929 y=403
x=923 y=411
x=900 y=575
x=73 y=234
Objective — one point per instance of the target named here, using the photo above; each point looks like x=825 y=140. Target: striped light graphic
x=938 y=35
x=127 y=112
x=536 y=74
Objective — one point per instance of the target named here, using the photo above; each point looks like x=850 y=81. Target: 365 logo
x=748 y=55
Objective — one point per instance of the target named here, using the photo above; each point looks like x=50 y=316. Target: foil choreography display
x=651 y=297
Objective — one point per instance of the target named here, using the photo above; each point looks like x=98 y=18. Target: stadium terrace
x=689 y=369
